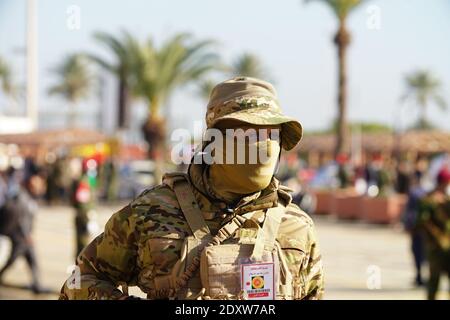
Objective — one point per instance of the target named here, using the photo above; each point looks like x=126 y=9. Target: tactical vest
x=210 y=265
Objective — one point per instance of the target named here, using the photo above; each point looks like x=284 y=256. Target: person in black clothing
x=410 y=222
x=403 y=181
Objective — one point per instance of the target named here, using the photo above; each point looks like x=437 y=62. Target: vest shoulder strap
x=265 y=240
x=190 y=208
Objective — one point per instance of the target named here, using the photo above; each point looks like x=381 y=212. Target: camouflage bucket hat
x=251 y=101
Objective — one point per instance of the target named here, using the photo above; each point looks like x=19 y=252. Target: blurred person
x=360 y=182
x=58 y=180
x=109 y=175
x=343 y=172
x=297 y=181
x=51 y=191
x=421 y=165
x=16 y=223
x=34 y=180
x=410 y=222
x=63 y=178
x=404 y=177
x=288 y=168
x=156 y=240
x=385 y=177
x=434 y=219
x=125 y=175
x=30 y=169
x=14 y=178
x=304 y=198
x=377 y=175
x=371 y=173
x=3 y=187
x=58 y=168
x=36 y=185
x=82 y=200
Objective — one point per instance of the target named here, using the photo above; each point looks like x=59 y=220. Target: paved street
x=361 y=261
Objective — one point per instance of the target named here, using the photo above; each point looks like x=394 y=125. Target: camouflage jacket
x=143 y=241
x=434 y=220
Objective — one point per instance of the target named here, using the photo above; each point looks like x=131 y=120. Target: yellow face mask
x=245 y=174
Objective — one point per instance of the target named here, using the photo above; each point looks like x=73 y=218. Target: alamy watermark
x=373 y=21
x=374 y=277
x=74 y=281
x=73 y=21
x=229 y=146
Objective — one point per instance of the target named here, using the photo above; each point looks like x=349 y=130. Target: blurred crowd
x=24 y=183
x=425 y=181
x=60 y=179
x=83 y=182
x=377 y=175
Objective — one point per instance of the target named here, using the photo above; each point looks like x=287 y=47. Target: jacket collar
x=211 y=204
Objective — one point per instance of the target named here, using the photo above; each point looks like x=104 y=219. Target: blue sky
x=292 y=38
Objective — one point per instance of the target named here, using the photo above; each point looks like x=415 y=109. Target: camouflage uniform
x=142 y=242
x=434 y=221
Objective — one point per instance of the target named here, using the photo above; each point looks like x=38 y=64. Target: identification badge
x=257 y=281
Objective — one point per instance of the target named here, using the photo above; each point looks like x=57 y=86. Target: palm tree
x=423 y=88
x=341 y=9
x=205 y=88
x=5 y=78
x=74 y=82
x=123 y=51
x=159 y=71
x=248 y=65
x=10 y=89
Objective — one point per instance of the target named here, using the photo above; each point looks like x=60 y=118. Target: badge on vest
x=258 y=281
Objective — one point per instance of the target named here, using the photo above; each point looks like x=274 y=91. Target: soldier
x=82 y=201
x=221 y=231
x=434 y=219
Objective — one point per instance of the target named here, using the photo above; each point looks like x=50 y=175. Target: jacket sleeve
x=107 y=262
x=312 y=273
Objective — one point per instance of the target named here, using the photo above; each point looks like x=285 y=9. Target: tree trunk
x=423 y=120
x=342 y=40
x=123 y=112
x=71 y=117
x=154 y=130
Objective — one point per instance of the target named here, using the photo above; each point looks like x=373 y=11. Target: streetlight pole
x=32 y=64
